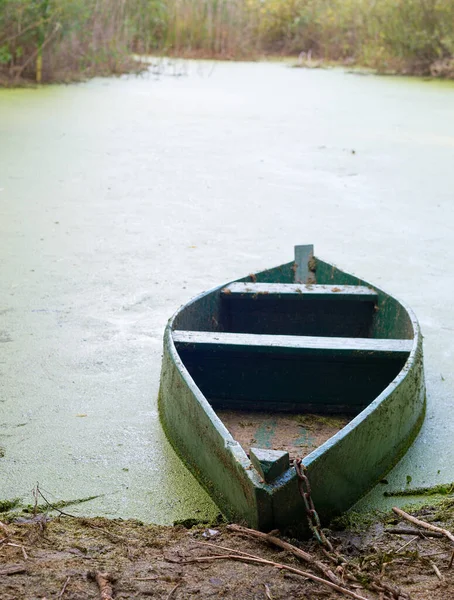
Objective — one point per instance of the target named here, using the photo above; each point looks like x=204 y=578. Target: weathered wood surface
x=269 y=463
x=304 y=263
x=292 y=344
x=298 y=309
x=290 y=373
x=300 y=291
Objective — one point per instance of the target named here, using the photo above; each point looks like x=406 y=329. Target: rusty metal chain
x=312 y=517
x=355 y=574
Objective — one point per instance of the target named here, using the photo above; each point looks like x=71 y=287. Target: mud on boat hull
x=343 y=468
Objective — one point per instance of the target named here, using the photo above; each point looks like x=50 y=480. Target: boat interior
x=289 y=356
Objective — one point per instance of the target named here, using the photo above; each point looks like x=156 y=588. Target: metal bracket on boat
x=269 y=463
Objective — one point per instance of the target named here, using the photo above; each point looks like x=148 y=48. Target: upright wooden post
x=304 y=258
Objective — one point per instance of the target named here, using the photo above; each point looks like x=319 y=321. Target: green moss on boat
x=300 y=338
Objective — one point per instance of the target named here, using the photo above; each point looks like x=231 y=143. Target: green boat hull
x=386 y=415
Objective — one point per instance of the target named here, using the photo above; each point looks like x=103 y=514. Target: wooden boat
x=302 y=360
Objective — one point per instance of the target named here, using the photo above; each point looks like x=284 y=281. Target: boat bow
x=302 y=338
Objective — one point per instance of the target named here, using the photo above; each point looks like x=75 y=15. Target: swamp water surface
x=120 y=199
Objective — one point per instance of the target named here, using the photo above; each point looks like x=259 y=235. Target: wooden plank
x=294 y=344
x=290 y=383
x=289 y=315
x=264 y=291
x=297 y=309
x=304 y=264
x=290 y=373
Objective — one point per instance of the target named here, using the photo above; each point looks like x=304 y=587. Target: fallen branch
x=423 y=524
x=410 y=531
x=302 y=554
x=357 y=576
x=262 y=561
x=12 y=570
x=104 y=583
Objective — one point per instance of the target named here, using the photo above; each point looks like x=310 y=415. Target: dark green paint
x=308 y=314
x=290 y=373
x=269 y=463
x=387 y=395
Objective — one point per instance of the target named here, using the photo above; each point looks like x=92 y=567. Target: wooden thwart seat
x=292 y=344
x=299 y=309
x=249 y=291
x=288 y=373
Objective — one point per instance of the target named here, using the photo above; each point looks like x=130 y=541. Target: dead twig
x=24 y=553
x=262 y=561
x=435 y=569
x=409 y=531
x=173 y=590
x=230 y=550
x=407 y=543
x=302 y=554
x=423 y=524
x=37 y=492
x=268 y=592
x=357 y=575
x=83 y=521
x=63 y=589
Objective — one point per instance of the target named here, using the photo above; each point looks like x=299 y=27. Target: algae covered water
x=122 y=198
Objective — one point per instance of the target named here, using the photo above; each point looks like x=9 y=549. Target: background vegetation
x=46 y=40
